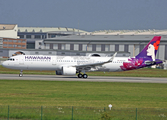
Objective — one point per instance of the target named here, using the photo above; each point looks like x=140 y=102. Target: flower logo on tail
x=132 y=64
x=156 y=45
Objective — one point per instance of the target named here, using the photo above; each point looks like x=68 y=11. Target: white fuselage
x=41 y=62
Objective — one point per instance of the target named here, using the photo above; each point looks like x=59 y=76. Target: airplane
x=70 y=65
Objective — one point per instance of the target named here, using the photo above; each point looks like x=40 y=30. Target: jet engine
x=66 y=71
x=69 y=70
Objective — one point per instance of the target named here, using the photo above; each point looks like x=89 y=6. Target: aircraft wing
x=93 y=65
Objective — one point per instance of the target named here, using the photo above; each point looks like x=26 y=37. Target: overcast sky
x=88 y=15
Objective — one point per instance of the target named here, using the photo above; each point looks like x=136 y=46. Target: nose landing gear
x=21 y=73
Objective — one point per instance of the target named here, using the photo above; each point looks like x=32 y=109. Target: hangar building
x=32 y=34
x=70 y=41
x=127 y=41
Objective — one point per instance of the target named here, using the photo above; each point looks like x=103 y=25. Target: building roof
x=48 y=29
x=7 y=26
x=102 y=38
x=130 y=32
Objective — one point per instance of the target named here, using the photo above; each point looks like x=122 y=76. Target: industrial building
x=70 y=41
x=131 y=41
x=9 y=38
x=32 y=34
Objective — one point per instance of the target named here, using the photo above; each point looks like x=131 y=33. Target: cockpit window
x=11 y=59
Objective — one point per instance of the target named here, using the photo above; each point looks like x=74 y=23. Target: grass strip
x=26 y=100
x=92 y=94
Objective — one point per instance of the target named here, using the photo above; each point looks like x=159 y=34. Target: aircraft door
x=21 y=60
x=54 y=60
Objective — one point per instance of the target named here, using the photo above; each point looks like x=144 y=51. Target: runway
x=89 y=79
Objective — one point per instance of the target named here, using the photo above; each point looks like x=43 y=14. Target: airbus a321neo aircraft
x=70 y=65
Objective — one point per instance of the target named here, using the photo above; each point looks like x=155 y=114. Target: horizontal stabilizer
x=152 y=62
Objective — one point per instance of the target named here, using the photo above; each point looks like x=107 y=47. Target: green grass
x=144 y=72
x=25 y=99
x=92 y=94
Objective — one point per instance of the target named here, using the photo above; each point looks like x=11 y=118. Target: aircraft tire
x=85 y=76
x=79 y=75
x=20 y=75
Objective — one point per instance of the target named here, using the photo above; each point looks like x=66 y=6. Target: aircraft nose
x=4 y=64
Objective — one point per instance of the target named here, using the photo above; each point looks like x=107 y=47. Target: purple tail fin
x=150 y=50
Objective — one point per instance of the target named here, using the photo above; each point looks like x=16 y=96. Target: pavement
x=89 y=79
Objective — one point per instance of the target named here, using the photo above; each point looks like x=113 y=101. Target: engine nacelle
x=69 y=70
x=66 y=71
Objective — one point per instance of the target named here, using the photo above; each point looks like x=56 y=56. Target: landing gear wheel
x=20 y=75
x=84 y=75
x=79 y=75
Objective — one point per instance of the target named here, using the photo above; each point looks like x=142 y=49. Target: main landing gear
x=82 y=75
x=21 y=73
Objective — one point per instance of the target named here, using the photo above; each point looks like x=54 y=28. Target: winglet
x=112 y=58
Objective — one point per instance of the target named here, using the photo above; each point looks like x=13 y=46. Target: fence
x=80 y=113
